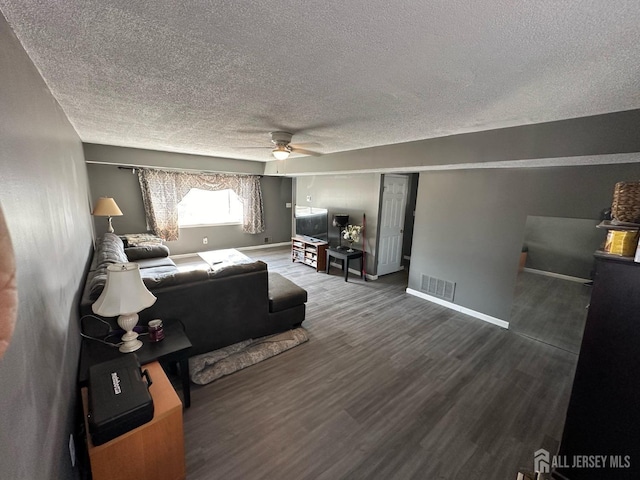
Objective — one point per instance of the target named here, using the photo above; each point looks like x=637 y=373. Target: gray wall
x=43 y=191
x=470 y=224
x=562 y=245
x=123 y=186
x=355 y=195
x=113 y=155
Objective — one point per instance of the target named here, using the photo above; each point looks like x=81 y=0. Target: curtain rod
x=134 y=170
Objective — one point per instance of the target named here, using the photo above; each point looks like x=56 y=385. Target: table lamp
x=125 y=295
x=107 y=207
x=340 y=220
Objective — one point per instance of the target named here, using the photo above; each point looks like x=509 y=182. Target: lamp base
x=131 y=343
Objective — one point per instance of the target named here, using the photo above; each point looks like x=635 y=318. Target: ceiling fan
x=283 y=148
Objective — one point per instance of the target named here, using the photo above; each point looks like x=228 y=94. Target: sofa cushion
x=283 y=293
x=168 y=277
x=96 y=283
x=140 y=239
x=147 y=263
x=148 y=251
x=237 y=269
x=110 y=250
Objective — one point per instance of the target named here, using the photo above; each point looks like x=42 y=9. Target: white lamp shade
x=106 y=207
x=124 y=292
x=281 y=152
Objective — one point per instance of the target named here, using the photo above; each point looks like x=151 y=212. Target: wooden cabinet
x=309 y=252
x=603 y=417
x=153 y=451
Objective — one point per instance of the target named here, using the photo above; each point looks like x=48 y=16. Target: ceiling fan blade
x=300 y=126
x=304 y=151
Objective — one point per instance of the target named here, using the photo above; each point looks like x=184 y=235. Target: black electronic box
x=119 y=399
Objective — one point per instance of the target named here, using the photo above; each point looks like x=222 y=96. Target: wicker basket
x=626 y=202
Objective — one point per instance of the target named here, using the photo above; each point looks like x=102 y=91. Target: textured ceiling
x=215 y=77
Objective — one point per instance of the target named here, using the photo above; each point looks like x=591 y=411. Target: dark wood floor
x=388 y=386
x=551 y=310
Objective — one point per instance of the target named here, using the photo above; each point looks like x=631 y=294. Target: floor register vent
x=438 y=287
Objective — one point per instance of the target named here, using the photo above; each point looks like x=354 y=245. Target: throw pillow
x=140 y=253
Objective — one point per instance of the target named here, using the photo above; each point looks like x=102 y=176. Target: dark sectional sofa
x=217 y=308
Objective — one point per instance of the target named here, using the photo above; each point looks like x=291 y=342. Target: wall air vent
x=437 y=287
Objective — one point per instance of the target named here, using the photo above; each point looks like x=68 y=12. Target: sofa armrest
x=284 y=294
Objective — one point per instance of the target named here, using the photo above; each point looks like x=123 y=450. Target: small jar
x=156 y=333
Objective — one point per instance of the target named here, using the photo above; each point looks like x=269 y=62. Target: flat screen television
x=312 y=222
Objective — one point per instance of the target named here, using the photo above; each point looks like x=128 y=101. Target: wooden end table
x=174 y=348
x=154 y=450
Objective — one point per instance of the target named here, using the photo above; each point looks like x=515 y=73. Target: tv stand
x=309 y=251
x=311 y=239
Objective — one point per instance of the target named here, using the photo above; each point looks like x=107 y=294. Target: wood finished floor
x=389 y=386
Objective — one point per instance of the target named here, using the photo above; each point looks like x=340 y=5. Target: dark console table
x=345 y=256
x=174 y=349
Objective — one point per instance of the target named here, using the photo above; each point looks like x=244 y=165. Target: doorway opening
x=396 y=215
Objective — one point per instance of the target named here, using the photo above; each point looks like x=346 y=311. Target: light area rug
x=210 y=366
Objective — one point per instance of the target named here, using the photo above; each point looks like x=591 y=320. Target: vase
x=350 y=246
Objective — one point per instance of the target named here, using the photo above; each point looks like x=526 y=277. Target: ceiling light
x=281 y=152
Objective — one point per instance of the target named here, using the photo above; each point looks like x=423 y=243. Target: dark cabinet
x=603 y=417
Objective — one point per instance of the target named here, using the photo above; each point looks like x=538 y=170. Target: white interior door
x=394 y=203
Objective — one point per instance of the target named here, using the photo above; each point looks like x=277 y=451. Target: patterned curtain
x=162 y=191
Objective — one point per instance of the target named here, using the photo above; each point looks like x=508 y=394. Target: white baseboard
x=460 y=308
x=557 y=275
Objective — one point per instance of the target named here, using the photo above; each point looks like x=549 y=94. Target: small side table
x=174 y=348
x=154 y=450
x=345 y=256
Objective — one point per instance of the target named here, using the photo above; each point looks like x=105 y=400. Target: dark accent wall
x=123 y=186
x=43 y=191
x=470 y=224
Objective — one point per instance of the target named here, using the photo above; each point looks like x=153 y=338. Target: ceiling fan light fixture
x=281 y=152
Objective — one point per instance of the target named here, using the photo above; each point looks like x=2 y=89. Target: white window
x=204 y=207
